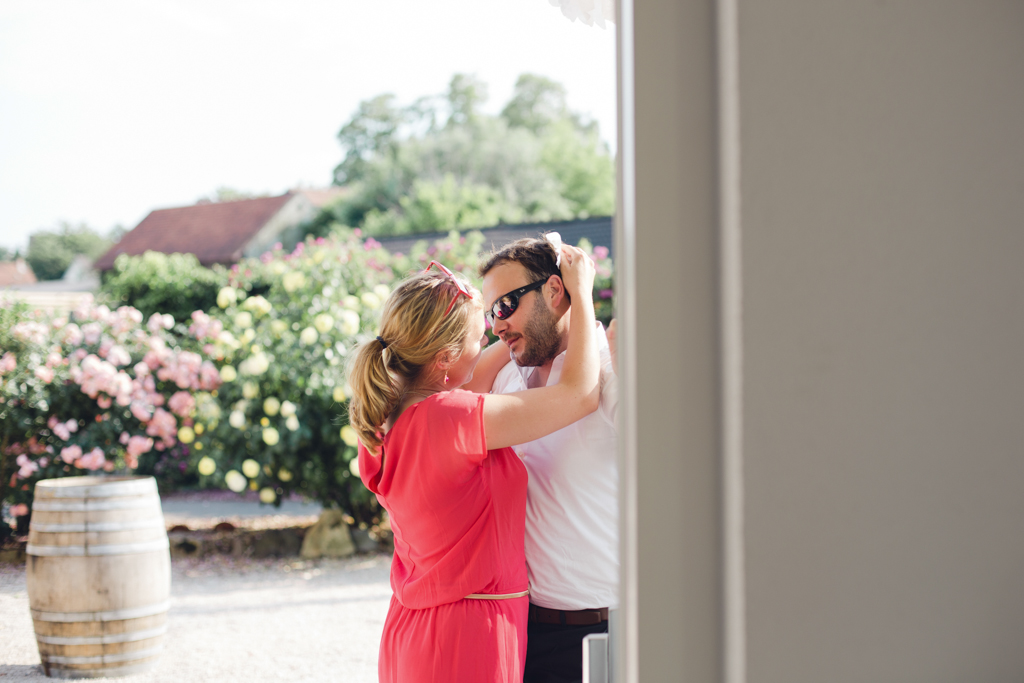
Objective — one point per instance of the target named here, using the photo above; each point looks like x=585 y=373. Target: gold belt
x=497 y=596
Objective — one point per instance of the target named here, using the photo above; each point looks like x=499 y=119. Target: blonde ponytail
x=413 y=330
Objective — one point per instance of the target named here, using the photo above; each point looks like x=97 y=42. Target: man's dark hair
x=537 y=256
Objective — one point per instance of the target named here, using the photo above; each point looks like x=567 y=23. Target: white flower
x=250 y=468
x=256 y=364
x=228 y=374
x=227 y=297
x=349 y=436
x=349 y=323
x=243 y=319
x=308 y=336
x=370 y=300
x=271 y=406
x=236 y=419
x=353 y=467
x=235 y=481
x=323 y=323
x=271 y=436
x=258 y=305
x=381 y=291
x=293 y=280
x=292 y=423
x=351 y=302
x=250 y=390
x=267 y=495
x=287 y=409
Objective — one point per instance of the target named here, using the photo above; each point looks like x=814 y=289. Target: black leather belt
x=582 y=617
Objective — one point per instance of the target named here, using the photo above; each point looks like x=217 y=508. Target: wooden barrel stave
x=98 y=576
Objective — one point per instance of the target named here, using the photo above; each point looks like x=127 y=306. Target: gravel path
x=242 y=620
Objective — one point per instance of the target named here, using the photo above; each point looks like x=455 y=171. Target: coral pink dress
x=458 y=513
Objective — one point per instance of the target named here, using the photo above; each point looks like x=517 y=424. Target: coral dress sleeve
x=456 y=419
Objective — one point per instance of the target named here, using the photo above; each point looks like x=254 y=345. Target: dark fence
x=598 y=230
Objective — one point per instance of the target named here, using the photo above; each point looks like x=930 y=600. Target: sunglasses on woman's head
x=458 y=283
x=507 y=304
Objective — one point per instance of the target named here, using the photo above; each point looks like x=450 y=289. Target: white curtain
x=590 y=12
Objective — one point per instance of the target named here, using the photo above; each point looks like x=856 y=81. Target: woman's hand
x=577 y=273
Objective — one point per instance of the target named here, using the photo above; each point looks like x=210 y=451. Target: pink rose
x=93 y=460
x=104 y=402
x=44 y=373
x=19 y=510
x=70 y=454
x=181 y=403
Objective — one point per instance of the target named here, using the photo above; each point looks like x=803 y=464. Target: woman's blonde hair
x=414 y=328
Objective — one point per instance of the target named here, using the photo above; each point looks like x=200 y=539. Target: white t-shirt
x=572 y=546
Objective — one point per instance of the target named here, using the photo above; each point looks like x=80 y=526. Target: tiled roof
x=215 y=233
x=322 y=197
x=16 y=273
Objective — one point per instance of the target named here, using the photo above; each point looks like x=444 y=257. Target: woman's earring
x=446 y=378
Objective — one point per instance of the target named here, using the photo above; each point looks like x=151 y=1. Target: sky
x=112 y=108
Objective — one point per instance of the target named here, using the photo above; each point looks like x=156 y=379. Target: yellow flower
x=253 y=486
x=370 y=300
x=284 y=475
x=227 y=297
x=293 y=280
x=338 y=395
x=278 y=327
x=207 y=466
x=186 y=435
x=258 y=305
x=264 y=421
x=292 y=423
x=318 y=256
x=250 y=390
x=235 y=481
x=271 y=436
x=382 y=291
x=349 y=436
x=271 y=406
x=351 y=302
x=248 y=335
x=267 y=495
x=243 y=319
x=250 y=468
x=228 y=374
x=323 y=323
x=349 y=323
x=353 y=467
x=308 y=336
x=236 y=419
x=199 y=446
x=287 y=409
x=199 y=428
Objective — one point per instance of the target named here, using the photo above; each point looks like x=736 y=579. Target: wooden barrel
x=98 y=575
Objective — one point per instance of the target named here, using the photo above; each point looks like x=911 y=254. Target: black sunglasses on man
x=506 y=304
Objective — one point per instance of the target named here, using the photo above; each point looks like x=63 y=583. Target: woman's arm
x=492 y=360
x=511 y=419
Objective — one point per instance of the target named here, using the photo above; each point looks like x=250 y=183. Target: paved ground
x=234 y=620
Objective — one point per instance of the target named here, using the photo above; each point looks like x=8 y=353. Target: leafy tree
x=409 y=173
x=50 y=253
x=226 y=194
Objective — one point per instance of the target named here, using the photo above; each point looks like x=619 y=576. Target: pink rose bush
x=92 y=391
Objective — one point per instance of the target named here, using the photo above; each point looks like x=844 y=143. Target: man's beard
x=541 y=338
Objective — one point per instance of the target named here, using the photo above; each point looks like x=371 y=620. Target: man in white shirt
x=572 y=500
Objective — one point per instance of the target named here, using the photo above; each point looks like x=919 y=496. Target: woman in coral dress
x=439 y=460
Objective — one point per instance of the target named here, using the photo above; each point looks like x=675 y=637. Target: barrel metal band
x=90 y=505
x=96 y=550
x=127 y=525
x=104 y=659
x=114 y=615
x=127 y=637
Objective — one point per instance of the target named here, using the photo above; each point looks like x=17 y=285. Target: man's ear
x=556 y=293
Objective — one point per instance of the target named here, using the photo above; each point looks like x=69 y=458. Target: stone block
x=329 y=537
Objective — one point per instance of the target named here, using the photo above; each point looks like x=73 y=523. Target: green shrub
x=174 y=284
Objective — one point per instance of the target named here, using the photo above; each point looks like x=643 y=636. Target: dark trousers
x=554 y=653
